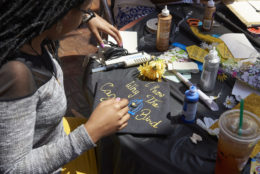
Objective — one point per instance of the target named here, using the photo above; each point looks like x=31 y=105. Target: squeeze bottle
x=209 y=15
x=210 y=71
x=163 y=30
x=190 y=105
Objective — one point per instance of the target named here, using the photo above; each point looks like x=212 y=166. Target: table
x=139 y=154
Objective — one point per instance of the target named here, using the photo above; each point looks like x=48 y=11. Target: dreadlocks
x=22 y=20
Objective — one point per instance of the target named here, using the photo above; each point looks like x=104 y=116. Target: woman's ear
x=59 y=27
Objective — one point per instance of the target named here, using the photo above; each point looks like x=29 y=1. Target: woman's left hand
x=98 y=24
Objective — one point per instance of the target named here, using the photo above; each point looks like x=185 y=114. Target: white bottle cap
x=165 y=11
x=211 y=3
x=213 y=55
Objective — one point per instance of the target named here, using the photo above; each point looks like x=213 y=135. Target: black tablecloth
x=175 y=153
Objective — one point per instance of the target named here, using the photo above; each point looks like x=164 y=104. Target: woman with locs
x=32 y=97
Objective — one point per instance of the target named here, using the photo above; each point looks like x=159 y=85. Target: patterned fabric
x=32 y=138
x=126 y=15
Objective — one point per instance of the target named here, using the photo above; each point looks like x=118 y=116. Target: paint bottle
x=209 y=15
x=163 y=30
x=190 y=105
x=210 y=71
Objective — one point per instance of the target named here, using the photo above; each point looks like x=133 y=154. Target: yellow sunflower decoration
x=153 y=70
x=221 y=76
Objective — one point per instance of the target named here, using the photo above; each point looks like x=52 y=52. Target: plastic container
x=210 y=71
x=209 y=15
x=234 y=149
x=190 y=105
x=163 y=31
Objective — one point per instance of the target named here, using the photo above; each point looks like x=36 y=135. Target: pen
x=108 y=67
x=206 y=99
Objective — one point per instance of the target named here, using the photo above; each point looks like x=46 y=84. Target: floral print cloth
x=128 y=14
x=247 y=73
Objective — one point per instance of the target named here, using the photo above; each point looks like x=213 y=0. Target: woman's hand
x=98 y=24
x=108 y=117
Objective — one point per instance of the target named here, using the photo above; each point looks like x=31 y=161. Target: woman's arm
x=18 y=117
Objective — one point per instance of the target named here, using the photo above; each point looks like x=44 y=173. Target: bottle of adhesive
x=209 y=15
x=163 y=30
x=190 y=105
x=210 y=71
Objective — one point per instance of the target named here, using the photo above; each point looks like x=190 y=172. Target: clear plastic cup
x=234 y=149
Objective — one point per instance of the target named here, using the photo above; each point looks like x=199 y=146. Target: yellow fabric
x=250 y=104
x=85 y=163
x=205 y=37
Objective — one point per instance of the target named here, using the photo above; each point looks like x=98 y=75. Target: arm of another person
x=98 y=24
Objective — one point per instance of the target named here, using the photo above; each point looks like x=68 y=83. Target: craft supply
x=195 y=138
x=194 y=22
x=175 y=54
x=108 y=67
x=239 y=45
x=204 y=37
x=207 y=124
x=151 y=25
x=210 y=70
x=184 y=67
x=140 y=57
x=163 y=31
x=196 y=53
x=190 y=105
x=124 y=61
x=209 y=15
x=153 y=70
x=254 y=30
x=206 y=99
x=181 y=46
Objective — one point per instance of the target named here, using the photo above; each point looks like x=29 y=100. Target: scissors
x=194 y=22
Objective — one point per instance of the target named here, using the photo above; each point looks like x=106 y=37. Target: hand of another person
x=107 y=118
x=98 y=24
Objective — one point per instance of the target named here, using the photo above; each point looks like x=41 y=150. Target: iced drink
x=234 y=148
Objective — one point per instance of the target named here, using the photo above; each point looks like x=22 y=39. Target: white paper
x=241 y=90
x=129 y=40
x=238 y=45
x=255 y=4
x=246 y=11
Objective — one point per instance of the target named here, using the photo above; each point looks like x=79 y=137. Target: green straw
x=241 y=117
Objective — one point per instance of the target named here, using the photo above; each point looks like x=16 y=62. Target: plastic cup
x=234 y=149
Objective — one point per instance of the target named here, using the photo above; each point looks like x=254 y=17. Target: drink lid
x=229 y=124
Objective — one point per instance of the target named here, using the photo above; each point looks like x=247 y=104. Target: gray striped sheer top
x=32 y=104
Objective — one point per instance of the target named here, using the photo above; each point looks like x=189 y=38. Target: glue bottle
x=210 y=71
x=209 y=15
x=163 y=30
x=190 y=105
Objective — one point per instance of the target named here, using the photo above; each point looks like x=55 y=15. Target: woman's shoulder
x=16 y=80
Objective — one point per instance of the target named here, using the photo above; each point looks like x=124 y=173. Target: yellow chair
x=85 y=163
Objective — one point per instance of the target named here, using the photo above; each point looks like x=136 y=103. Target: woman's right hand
x=107 y=118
